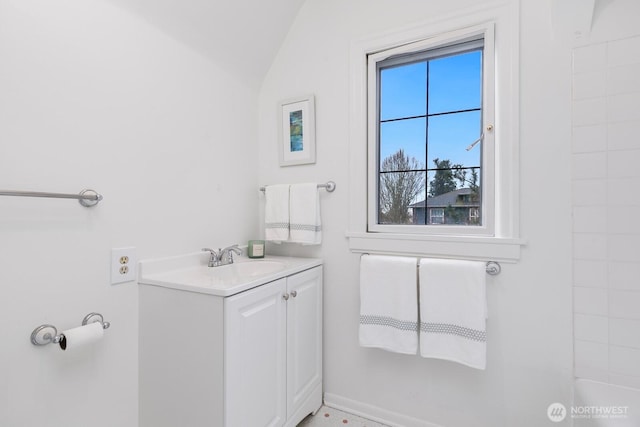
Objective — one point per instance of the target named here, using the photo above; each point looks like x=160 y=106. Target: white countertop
x=190 y=272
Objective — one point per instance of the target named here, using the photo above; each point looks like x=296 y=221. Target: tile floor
x=330 y=417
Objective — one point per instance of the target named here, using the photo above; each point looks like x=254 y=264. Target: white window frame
x=498 y=239
x=440 y=42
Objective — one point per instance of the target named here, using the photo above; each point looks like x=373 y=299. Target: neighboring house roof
x=448 y=199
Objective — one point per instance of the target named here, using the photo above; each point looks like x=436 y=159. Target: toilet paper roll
x=81 y=336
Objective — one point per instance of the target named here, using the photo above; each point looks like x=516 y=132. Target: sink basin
x=248 y=269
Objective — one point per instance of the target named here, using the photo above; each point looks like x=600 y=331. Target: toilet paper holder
x=48 y=334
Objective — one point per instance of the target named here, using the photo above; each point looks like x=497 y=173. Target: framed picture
x=297 y=130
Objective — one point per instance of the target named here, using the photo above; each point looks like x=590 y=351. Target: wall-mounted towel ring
x=48 y=334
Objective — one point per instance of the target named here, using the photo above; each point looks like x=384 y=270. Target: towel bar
x=493 y=268
x=86 y=198
x=330 y=186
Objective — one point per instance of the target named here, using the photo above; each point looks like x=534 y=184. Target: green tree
x=469 y=181
x=444 y=180
x=399 y=186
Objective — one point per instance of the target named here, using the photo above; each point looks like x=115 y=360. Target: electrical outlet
x=123 y=265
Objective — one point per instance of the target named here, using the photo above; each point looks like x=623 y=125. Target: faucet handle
x=226 y=254
x=214 y=257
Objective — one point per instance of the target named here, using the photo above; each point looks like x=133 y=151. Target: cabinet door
x=304 y=337
x=255 y=357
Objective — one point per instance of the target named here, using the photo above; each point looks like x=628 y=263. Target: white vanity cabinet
x=249 y=359
x=273 y=352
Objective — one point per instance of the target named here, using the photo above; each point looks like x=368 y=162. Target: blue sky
x=454 y=84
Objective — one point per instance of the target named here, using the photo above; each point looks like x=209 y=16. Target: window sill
x=458 y=247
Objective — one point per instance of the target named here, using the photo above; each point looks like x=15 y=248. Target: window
x=436 y=216
x=429 y=126
x=474 y=215
x=402 y=110
x=429 y=103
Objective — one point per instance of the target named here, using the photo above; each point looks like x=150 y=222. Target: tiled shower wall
x=606 y=211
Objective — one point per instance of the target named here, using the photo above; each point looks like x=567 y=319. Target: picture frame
x=297 y=131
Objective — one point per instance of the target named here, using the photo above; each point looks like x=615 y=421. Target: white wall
x=529 y=330
x=606 y=152
x=93 y=97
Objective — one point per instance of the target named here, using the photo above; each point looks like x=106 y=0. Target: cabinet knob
x=294 y=294
x=285 y=296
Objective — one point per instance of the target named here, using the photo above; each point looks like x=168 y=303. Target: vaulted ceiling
x=241 y=35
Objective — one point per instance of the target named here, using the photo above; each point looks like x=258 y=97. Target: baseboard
x=374 y=413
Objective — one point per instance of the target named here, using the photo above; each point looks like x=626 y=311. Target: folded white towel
x=276 y=213
x=389 y=303
x=453 y=311
x=306 y=226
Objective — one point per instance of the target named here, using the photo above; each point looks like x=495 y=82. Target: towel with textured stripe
x=304 y=208
x=276 y=213
x=453 y=311
x=389 y=303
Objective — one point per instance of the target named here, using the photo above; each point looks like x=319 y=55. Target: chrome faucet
x=226 y=255
x=214 y=258
x=223 y=256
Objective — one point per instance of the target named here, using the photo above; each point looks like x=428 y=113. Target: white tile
x=589 y=192
x=593 y=111
x=619 y=193
x=589 y=165
x=623 y=164
x=590 y=219
x=624 y=276
x=589 y=58
x=590 y=301
x=590 y=85
x=591 y=355
x=591 y=328
x=621 y=52
x=620 y=108
x=601 y=375
x=623 y=219
x=624 y=360
x=589 y=138
x=624 y=304
x=590 y=246
x=624 y=380
x=624 y=332
x=590 y=274
x=623 y=247
x=621 y=79
x=623 y=135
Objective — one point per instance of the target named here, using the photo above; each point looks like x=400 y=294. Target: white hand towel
x=276 y=213
x=453 y=311
x=306 y=226
x=389 y=303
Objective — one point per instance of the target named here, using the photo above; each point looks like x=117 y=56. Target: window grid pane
x=451 y=189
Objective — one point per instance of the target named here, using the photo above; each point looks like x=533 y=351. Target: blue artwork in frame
x=297 y=131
